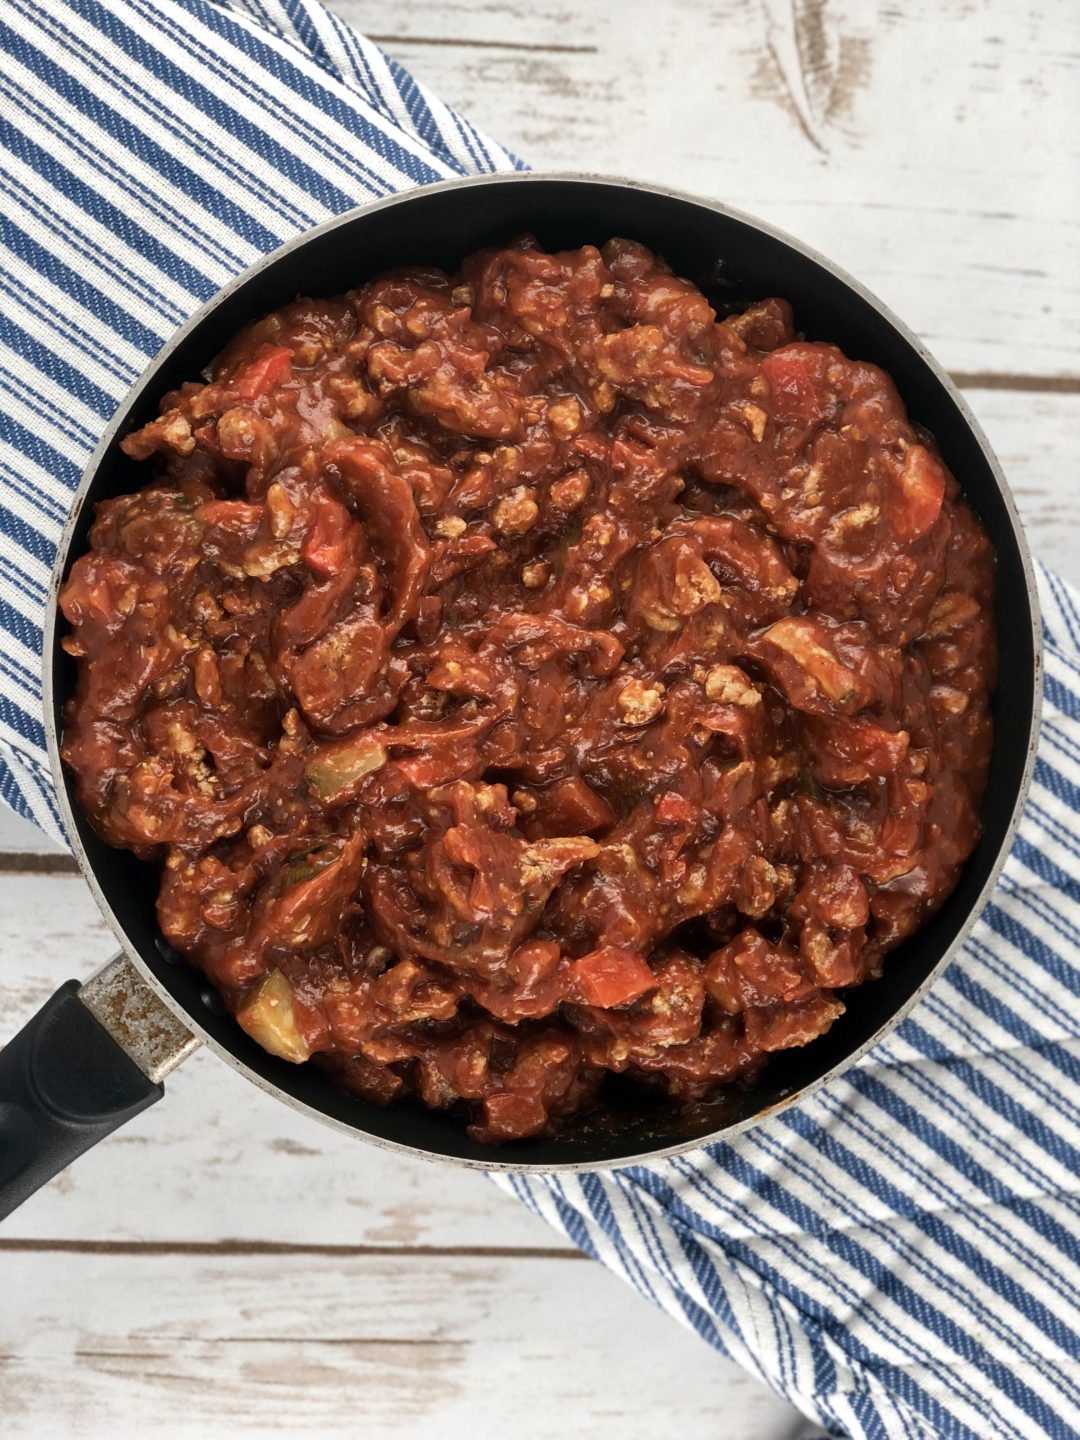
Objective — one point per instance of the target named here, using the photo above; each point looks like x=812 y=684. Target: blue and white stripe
x=899 y=1254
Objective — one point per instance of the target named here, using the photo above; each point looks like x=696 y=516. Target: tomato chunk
x=512 y=1115
x=611 y=976
x=797 y=393
x=336 y=769
x=674 y=809
x=326 y=547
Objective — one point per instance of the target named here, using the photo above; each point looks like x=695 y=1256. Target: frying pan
x=96 y=1053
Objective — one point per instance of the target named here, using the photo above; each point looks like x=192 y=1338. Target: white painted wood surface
x=181 y=1280
x=350 y=1346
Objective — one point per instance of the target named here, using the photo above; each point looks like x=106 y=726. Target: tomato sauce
x=526 y=675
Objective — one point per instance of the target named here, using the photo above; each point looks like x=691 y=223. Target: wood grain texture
x=1036 y=436
x=931 y=149
x=383 y=1347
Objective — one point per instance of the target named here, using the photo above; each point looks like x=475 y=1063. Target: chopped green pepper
x=809 y=784
x=334 y=771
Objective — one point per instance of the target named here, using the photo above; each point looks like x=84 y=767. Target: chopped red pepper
x=513 y=1114
x=674 y=809
x=571 y=807
x=266 y=372
x=611 y=976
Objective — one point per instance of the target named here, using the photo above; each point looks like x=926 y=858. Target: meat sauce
x=526 y=675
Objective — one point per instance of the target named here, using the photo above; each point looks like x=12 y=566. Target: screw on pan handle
x=92 y=1057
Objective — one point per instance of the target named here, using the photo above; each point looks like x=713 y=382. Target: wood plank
x=218 y=1158
x=375 y=1346
x=932 y=150
x=1037 y=439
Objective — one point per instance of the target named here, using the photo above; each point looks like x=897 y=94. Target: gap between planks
x=1027 y=384
x=449 y=41
x=248 y=1248
x=29 y=862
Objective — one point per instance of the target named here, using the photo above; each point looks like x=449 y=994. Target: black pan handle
x=92 y=1057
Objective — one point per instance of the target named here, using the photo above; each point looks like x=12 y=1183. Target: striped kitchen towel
x=899 y=1254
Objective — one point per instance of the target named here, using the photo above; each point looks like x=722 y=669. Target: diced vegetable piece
x=675 y=809
x=783 y=1027
x=534 y=962
x=337 y=768
x=512 y=1115
x=266 y=372
x=309 y=892
x=797 y=394
x=805 y=641
x=572 y=806
x=304 y=865
x=952 y=609
x=269 y=1017
x=326 y=546
x=922 y=493
x=611 y=976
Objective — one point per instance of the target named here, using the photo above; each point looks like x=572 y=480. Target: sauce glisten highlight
x=524 y=675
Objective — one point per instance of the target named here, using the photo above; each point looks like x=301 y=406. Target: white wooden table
x=181 y=1280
